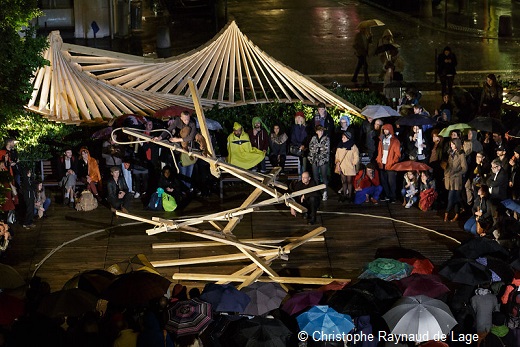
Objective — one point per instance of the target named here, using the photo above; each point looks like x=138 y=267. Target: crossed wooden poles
x=258 y=251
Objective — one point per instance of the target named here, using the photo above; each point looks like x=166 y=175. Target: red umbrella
x=136 y=288
x=11 y=309
x=171 y=111
x=334 y=285
x=300 y=301
x=420 y=266
x=409 y=165
x=417 y=284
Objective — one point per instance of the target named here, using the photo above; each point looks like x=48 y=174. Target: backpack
x=155 y=203
x=86 y=201
x=168 y=202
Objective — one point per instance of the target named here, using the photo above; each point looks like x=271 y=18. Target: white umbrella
x=421 y=316
x=379 y=111
x=212 y=124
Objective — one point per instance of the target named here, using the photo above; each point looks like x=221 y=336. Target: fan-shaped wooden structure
x=84 y=84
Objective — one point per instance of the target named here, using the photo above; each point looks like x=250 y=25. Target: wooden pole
x=235 y=278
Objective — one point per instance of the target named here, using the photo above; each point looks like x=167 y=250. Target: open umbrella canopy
x=212 y=124
x=481 y=246
x=256 y=332
x=10 y=308
x=384 y=292
x=67 y=302
x=386 y=269
x=465 y=271
x=334 y=285
x=136 y=288
x=171 y=111
x=419 y=284
x=500 y=270
x=459 y=126
x=300 y=301
x=420 y=266
x=93 y=281
x=188 y=317
x=265 y=296
x=225 y=298
x=415 y=119
x=10 y=278
x=326 y=320
x=379 y=111
x=420 y=316
x=369 y=23
x=488 y=124
x=386 y=48
x=410 y=165
x=354 y=302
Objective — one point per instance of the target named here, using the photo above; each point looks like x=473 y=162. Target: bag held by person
x=86 y=202
x=155 y=203
x=295 y=150
x=168 y=202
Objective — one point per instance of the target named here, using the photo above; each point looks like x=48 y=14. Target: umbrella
x=225 y=298
x=410 y=165
x=382 y=290
x=265 y=296
x=419 y=284
x=188 y=317
x=137 y=263
x=465 y=271
x=102 y=134
x=256 y=332
x=420 y=266
x=459 y=126
x=479 y=246
x=136 y=288
x=386 y=47
x=67 y=302
x=171 y=111
x=488 y=124
x=11 y=309
x=415 y=119
x=386 y=269
x=500 y=270
x=370 y=23
x=300 y=301
x=326 y=320
x=396 y=252
x=334 y=285
x=378 y=111
x=128 y=120
x=93 y=281
x=10 y=278
x=354 y=302
x=420 y=316
x=510 y=204
x=212 y=124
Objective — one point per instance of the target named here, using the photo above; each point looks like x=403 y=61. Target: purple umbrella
x=225 y=298
x=300 y=301
x=419 y=284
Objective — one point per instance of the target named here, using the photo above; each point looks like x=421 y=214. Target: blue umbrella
x=225 y=298
x=510 y=204
x=326 y=320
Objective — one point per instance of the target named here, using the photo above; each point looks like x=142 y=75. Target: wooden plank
x=202 y=119
x=234 y=278
x=209 y=259
x=198 y=244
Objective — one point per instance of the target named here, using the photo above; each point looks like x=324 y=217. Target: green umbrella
x=459 y=126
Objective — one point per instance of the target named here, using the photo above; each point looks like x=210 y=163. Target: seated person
x=173 y=186
x=482 y=213
x=88 y=172
x=41 y=201
x=240 y=151
x=310 y=200
x=410 y=189
x=367 y=185
x=67 y=174
x=112 y=154
x=117 y=191
x=136 y=177
x=427 y=191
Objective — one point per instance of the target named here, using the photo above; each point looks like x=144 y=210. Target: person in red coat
x=388 y=154
x=367 y=185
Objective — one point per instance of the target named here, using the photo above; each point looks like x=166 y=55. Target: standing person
x=514 y=176
x=347 y=160
x=259 y=137
x=11 y=194
x=477 y=175
x=88 y=172
x=446 y=64
x=10 y=147
x=67 y=167
x=367 y=185
x=310 y=200
x=497 y=182
x=484 y=303
x=298 y=144
x=117 y=191
x=240 y=151
x=278 y=147
x=455 y=169
x=361 y=45
x=28 y=195
x=344 y=125
x=323 y=118
x=372 y=131
x=388 y=154
x=319 y=154
x=491 y=98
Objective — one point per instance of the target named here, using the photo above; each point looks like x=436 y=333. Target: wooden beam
x=198 y=244
x=211 y=259
x=233 y=278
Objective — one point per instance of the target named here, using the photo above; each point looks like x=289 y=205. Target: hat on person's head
x=236 y=126
x=500 y=148
x=299 y=114
x=345 y=118
x=114 y=169
x=517 y=149
x=321 y=105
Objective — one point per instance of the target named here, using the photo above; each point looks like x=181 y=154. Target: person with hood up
x=484 y=303
x=388 y=154
x=446 y=64
x=456 y=167
x=240 y=151
x=347 y=159
x=88 y=172
x=259 y=136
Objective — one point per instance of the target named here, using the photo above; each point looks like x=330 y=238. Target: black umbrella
x=385 y=292
x=499 y=267
x=93 y=281
x=415 y=119
x=256 y=332
x=488 y=124
x=480 y=246
x=354 y=302
x=465 y=271
x=67 y=302
x=386 y=48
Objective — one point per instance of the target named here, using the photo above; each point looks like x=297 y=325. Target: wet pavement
x=315 y=37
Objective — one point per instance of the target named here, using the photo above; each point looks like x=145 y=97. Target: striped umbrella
x=189 y=317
